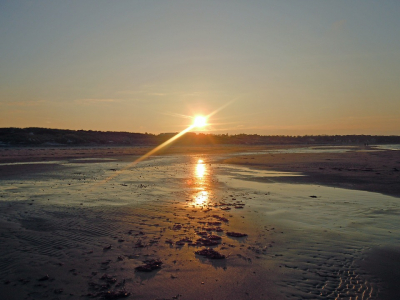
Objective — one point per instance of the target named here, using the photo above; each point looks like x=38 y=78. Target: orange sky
x=285 y=67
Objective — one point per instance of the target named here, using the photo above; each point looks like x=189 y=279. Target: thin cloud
x=96 y=101
x=194 y=94
x=157 y=94
x=26 y=103
x=131 y=92
x=176 y=115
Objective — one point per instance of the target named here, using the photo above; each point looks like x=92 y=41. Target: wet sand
x=360 y=168
x=66 y=233
x=39 y=154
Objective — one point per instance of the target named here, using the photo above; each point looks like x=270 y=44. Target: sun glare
x=200 y=121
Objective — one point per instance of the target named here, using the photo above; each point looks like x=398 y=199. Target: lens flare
x=199 y=121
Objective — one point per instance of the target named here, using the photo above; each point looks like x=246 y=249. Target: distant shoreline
x=33 y=137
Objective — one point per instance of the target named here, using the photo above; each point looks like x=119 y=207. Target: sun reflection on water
x=201 y=197
x=200 y=170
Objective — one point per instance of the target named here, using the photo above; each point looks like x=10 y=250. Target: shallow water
x=313 y=236
x=311 y=149
x=387 y=147
x=329 y=230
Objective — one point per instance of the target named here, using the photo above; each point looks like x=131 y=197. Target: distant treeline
x=53 y=137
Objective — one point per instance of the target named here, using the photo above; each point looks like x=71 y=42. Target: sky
x=262 y=67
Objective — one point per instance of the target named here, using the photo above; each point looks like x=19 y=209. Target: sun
x=199 y=121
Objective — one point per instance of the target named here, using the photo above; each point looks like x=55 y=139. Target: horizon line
x=203 y=132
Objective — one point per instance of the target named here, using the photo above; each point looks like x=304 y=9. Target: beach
x=284 y=222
